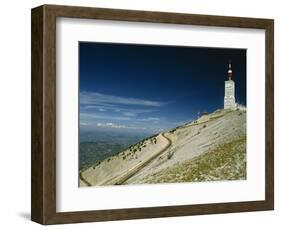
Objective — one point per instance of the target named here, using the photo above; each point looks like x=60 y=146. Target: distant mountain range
x=97 y=145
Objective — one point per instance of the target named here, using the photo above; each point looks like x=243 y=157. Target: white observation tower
x=229 y=93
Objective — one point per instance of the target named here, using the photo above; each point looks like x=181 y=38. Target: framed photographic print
x=140 y=114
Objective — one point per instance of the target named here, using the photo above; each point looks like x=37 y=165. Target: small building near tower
x=229 y=93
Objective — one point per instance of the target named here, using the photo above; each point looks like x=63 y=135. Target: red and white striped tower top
x=229 y=72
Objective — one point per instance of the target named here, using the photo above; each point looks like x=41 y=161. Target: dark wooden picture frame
x=43 y=170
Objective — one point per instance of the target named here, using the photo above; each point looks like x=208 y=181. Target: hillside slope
x=210 y=148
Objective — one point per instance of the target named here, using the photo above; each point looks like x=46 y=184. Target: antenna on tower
x=229 y=64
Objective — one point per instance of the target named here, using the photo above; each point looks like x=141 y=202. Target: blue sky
x=153 y=88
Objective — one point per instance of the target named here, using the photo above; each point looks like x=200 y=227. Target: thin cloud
x=153 y=119
x=117 y=126
x=130 y=114
x=94 y=98
x=110 y=125
x=91 y=116
x=115 y=109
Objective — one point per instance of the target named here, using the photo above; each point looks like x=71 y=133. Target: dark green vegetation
x=226 y=162
x=93 y=152
x=138 y=147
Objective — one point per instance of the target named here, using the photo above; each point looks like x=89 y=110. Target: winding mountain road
x=121 y=179
x=134 y=170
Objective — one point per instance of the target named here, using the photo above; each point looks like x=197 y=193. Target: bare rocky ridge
x=212 y=147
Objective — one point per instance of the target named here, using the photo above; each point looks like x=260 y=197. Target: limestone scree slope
x=210 y=148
